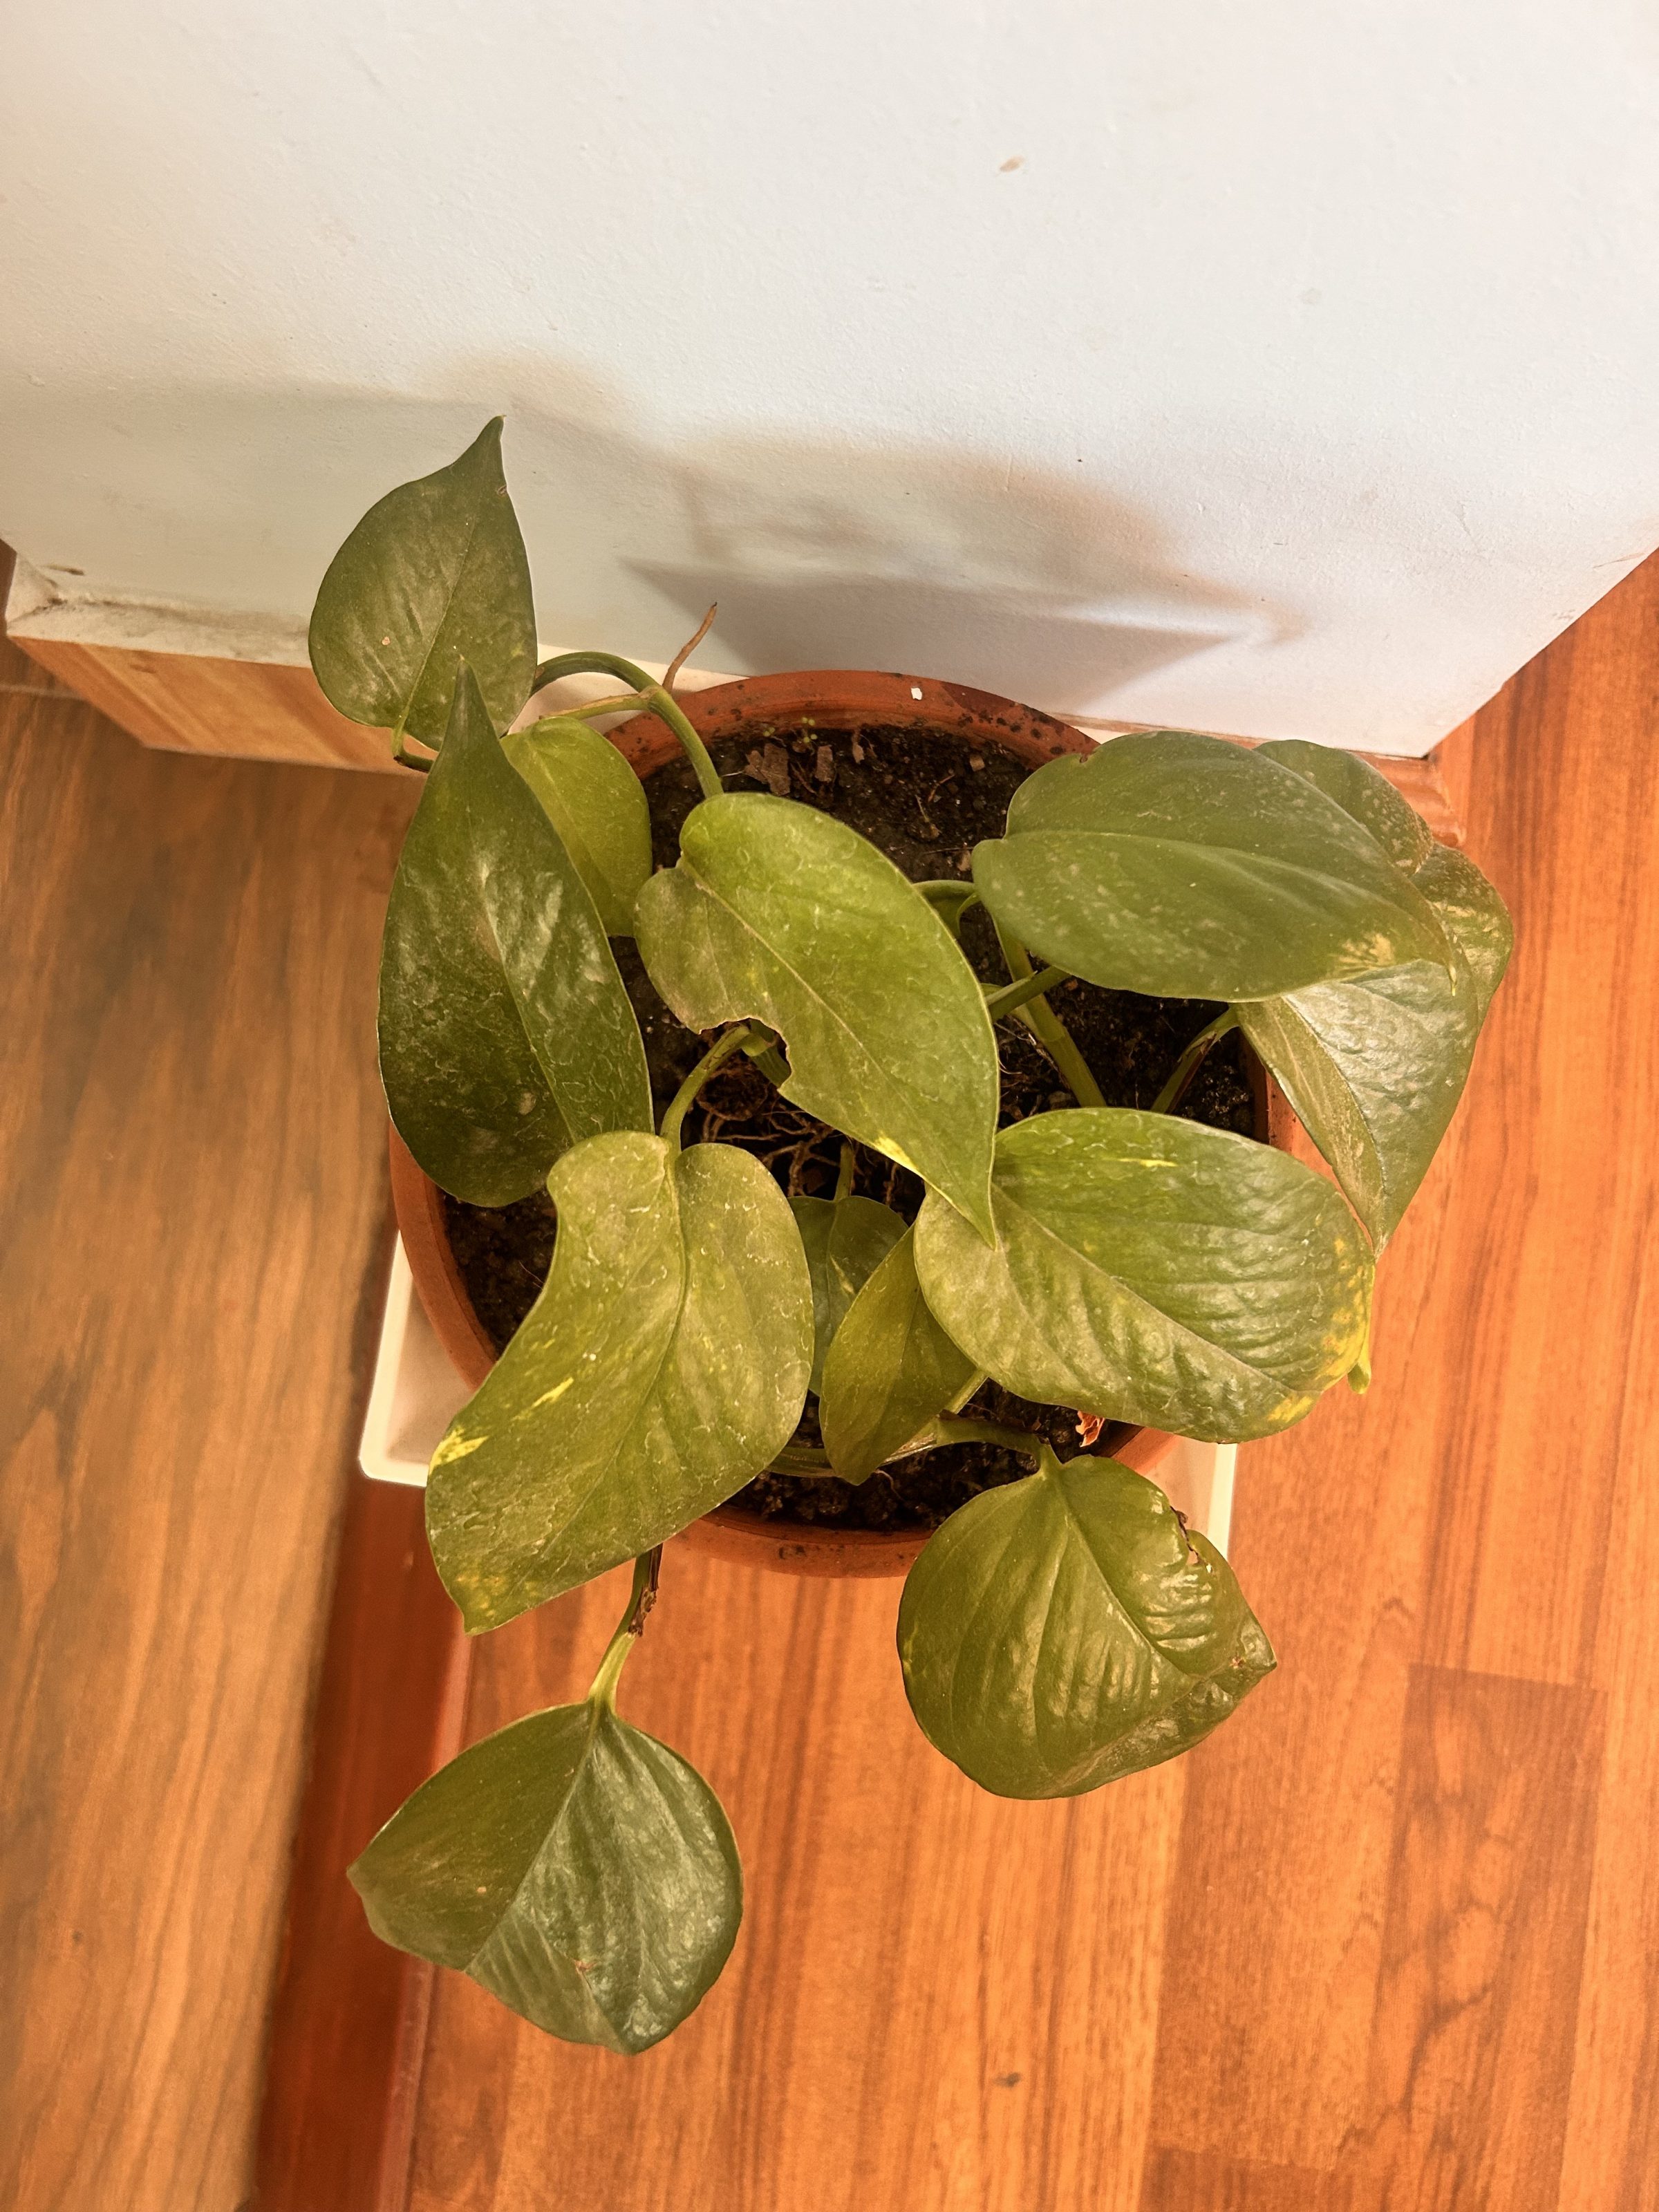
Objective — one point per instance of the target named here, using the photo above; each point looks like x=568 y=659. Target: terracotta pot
x=753 y=707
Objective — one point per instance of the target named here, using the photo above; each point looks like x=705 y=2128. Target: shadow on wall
x=821 y=553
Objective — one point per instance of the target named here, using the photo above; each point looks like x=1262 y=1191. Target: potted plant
x=845 y=1109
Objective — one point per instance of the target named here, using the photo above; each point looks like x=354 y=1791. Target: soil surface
x=926 y=801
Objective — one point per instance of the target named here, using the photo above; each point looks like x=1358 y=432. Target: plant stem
x=849 y=1160
x=690 y=647
x=1191 y=1060
x=680 y=1105
x=948 y=1431
x=1015 y=994
x=619 y=702
x=647 y=1568
x=651 y=698
x=967 y=1391
x=1050 y=1032
x=802 y=1459
x=762 y=1049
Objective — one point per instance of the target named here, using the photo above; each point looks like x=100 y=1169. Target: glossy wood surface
x=1389 y=1940
x=192 y=1229
x=183 y=702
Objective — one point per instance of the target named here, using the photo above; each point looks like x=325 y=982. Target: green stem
x=618 y=703
x=1015 y=994
x=849 y=1160
x=967 y=1391
x=1191 y=1060
x=640 y=1599
x=1050 y=1032
x=680 y=1105
x=948 y=1431
x=651 y=698
x=762 y=1049
x=802 y=1459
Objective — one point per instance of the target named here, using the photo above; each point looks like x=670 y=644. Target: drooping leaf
x=781 y=912
x=598 y=805
x=1472 y=916
x=890 y=1369
x=1184 y=867
x=1361 y=791
x=665 y=1363
x=1374 y=1066
x=505 y=1029
x=1150 y=1269
x=846 y=1239
x=1062 y=1631
x=577 y=1868
x=435 y=574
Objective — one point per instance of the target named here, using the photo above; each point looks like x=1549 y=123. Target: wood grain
x=1485 y=1508
x=1483 y=1938
x=1389 y=1940
x=350 y=2015
x=192 y=1203
x=183 y=702
x=989 y=1981
x=1365 y=1948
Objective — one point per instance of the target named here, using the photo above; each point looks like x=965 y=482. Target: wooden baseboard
x=180 y=702
x=260 y=710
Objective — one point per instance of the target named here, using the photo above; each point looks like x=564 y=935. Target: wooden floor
x=192 y=1210
x=1389 y=1940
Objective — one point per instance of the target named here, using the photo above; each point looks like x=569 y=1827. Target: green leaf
x=665 y=1363
x=1150 y=1269
x=434 y=573
x=1184 y=867
x=577 y=1868
x=781 y=913
x=1361 y=791
x=598 y=805
x=846 y=1239
x=505 y=1029
x=1375 y=1067
x=1065 y=1630
x=890 y=1368
x=1472 y=916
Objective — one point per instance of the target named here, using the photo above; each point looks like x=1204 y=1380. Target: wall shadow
x=822 y=552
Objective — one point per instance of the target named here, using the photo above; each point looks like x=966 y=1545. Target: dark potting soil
x=926 y=801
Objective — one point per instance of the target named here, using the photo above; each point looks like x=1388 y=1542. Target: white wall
x=1274 y=369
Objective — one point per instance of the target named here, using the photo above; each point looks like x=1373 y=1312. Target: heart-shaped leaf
x=890 y=1369
x=578 y=1868
x=665 y=1363
x=598 y=805
x=846 y=1240
x=1152 y=1270
x=1375 y=1066
x=435 y=574
x=1064 y=1630
x=1184 y=867
x=779 y=912
x=505 y=1029
x=1361 y=791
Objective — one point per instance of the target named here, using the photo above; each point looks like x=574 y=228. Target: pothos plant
x=1056 y=1633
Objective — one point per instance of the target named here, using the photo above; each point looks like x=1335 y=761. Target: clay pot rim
x=755 y=706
